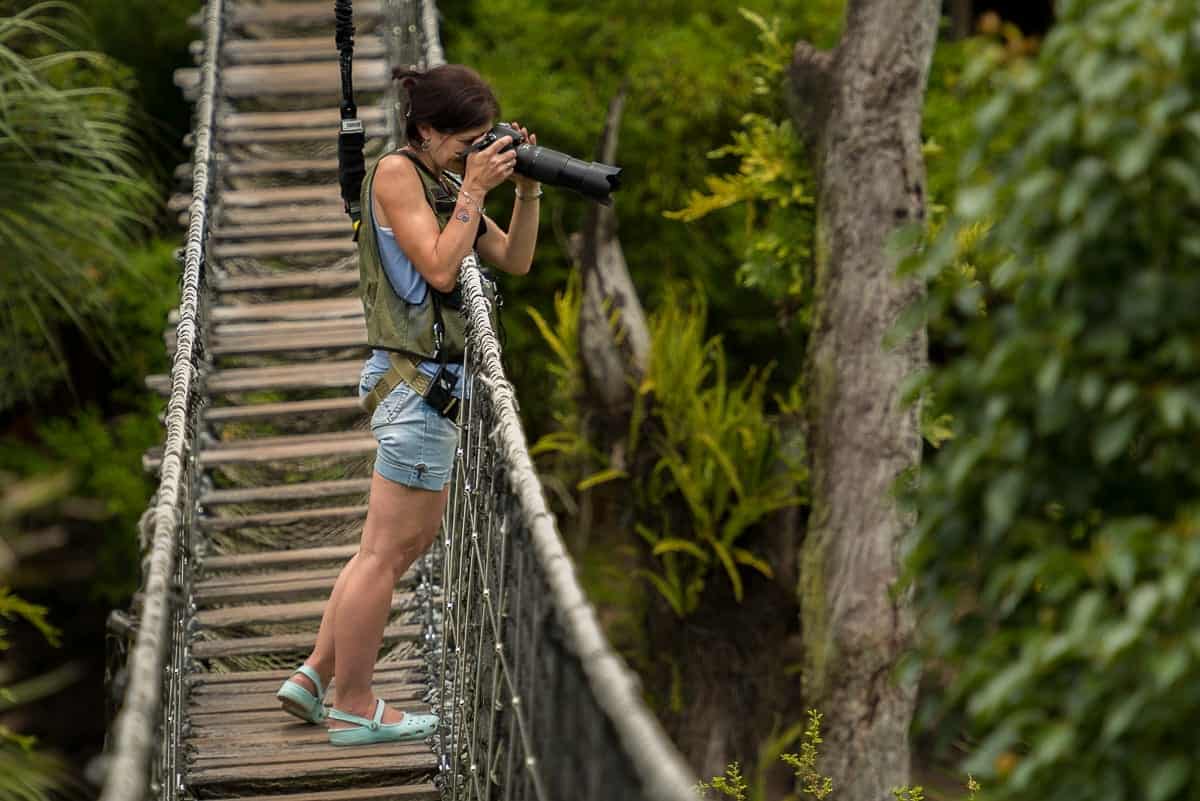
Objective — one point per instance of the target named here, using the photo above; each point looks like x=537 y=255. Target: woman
x=417 y=228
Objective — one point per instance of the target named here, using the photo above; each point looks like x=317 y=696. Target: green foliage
x=916 y=793
x=708 y=457
x=152 y=52
x=25 y=774
x=812 y=782
x=1057 y=557
x=771 y=186
x=731 y=785
x=12 y=608
x=71 y=189
x=717 y=459
x=687 y=70
x=28 y=775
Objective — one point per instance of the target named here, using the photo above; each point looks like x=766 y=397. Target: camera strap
x=351 y=135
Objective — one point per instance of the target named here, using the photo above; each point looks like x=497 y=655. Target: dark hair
x=450 y=98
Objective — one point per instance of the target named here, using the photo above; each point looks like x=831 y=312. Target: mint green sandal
x=300 y=702
x=412 y=727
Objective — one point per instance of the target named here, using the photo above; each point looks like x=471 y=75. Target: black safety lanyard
x=351 y=136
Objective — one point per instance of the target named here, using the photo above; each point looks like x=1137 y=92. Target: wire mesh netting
x=533 y=703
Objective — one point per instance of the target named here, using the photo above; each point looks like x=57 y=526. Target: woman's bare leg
x=401 y=524
x=321 y=658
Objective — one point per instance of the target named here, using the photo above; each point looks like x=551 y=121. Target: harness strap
x=404 y=368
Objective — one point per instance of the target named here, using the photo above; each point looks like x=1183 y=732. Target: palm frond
x=74 y=193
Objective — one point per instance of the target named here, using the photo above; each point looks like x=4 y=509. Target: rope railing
x=142 y=757
x=533 y=701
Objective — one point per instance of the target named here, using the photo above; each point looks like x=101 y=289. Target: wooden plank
x=308 y=79
x=312 y=118
x=287 y=343
x=381 y=678
x=263 y=338
x=259 y=411
x=272 y=577
x=207 y=708
x=298 y=48
x=272 y=167
x=342 y=246
x=276 y=591
x=280 y=230
x=296 y=136
x=275 y=519
x=317 y=169
x=284 y=754
x=394 y=792
x=407 y=689
x=277 y=195
x=260 y=560
x=270 y=449
x=278 y=453
x=318 y=375
x=291 y=14
x=250 y=646
x=287 y=492
x=271 y=587
x=258 y=328
x=264 y=197
x=270 y=215
x=345 y=763
x=303 y=310
x=294 y=279
x=222 y=678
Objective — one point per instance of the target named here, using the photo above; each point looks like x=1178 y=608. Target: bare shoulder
x=397 y=191
x=397 y=172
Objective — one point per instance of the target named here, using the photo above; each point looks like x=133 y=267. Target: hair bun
x=407 y=78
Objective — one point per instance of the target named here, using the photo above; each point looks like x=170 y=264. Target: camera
x=590 y=179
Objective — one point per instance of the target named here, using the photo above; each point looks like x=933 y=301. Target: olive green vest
x=392 y=322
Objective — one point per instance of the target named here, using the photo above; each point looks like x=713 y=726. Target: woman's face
x=449 y=151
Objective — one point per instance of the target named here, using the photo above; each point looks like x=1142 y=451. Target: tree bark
x=859 y=108
x=614 y=340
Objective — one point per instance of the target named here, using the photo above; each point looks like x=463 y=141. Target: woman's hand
x=525 y=185
x=488 y=168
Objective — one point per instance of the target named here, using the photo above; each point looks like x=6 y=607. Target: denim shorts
x=416 y=444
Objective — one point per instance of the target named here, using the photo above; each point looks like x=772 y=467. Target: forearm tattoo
x=463 y=215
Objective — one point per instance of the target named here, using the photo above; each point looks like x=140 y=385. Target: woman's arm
x=512 y=251
x=400 y=197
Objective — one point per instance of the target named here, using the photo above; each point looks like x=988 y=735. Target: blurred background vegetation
x=1056 y=560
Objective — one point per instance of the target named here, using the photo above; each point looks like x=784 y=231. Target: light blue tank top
x=409 y=285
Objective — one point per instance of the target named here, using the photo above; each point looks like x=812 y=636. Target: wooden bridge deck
x=283 y=443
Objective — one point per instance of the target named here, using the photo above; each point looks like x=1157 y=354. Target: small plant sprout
x=812 y=783
x=731 y=785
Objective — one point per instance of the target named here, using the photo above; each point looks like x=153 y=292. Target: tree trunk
x=860 y=108
x=614 y=340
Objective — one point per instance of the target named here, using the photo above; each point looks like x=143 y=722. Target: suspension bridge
x=264 y=472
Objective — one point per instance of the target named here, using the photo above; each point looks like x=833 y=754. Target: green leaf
x=674 y=544
x=744 y=557
x=611 y=474
x=1172 y=407
x=671 y=593
x=1113 y=436
x=731 y=570
x=1166 y=779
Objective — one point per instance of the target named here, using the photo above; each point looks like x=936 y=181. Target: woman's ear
x=424 y=131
